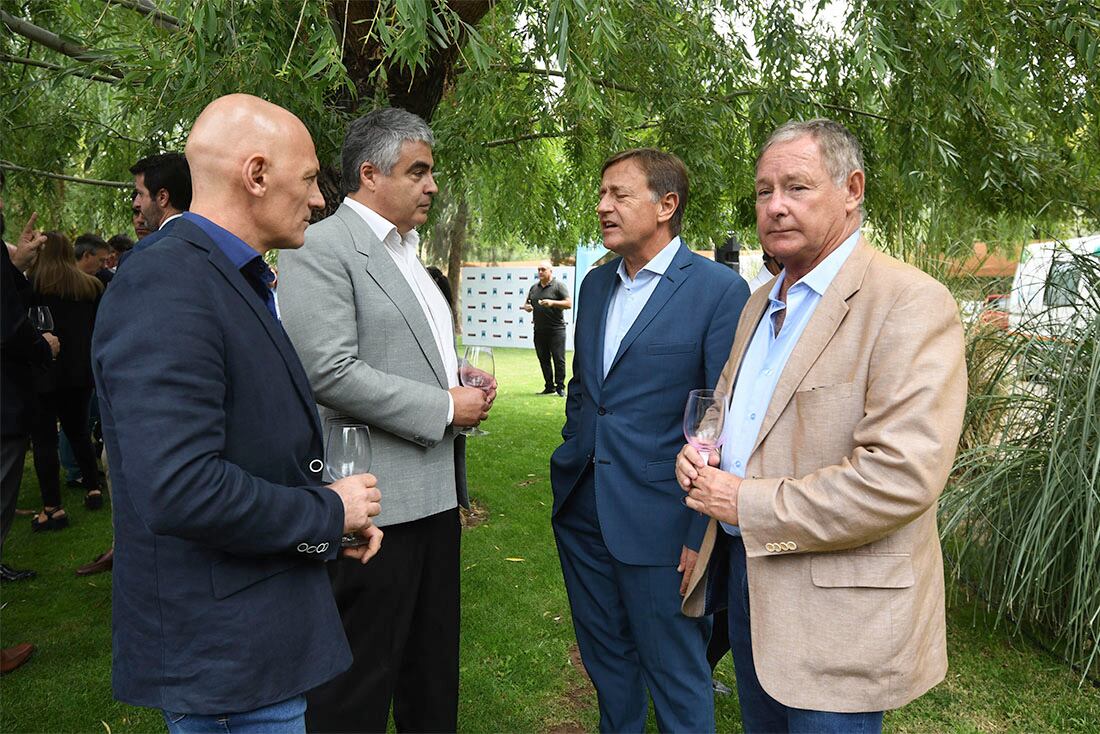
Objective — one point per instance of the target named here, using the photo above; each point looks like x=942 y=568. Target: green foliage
x=1023 y=518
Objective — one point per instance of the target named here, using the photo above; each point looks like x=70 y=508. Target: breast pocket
x=665 y=348
x=819 y=394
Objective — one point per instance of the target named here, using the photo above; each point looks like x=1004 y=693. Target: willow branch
x=158 y=16
x=9 y=59
x=62 y=177
x=52 y=41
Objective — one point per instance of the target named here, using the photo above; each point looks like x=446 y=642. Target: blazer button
x=601 y=411
x=791 y=546
x=769 y=547
x=316 y=465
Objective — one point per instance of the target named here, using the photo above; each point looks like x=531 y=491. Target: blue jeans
x=285 y=717
x=759 y=711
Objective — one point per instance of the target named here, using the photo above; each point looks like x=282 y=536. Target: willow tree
x=978 y=119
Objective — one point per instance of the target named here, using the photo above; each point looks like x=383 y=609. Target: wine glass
x=347 y=452
x=40 y=318
x=476 y=370
x=704 y=421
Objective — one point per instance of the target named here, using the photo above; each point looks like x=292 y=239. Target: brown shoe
x=104 y=562
x=12 y=657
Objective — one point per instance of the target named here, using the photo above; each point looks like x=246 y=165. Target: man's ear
x=254 y=173
x=666 y=206
x=163 y=198
x=853 y=189
x=368 y=176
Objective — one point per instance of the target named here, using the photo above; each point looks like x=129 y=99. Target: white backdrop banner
x=491 y=299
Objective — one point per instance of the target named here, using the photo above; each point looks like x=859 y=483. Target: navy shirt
x=244 y=258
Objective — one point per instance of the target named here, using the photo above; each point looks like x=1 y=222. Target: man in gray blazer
x=376 y=337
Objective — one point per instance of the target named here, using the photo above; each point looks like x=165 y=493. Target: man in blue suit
x=653 y=325
x=223 y=614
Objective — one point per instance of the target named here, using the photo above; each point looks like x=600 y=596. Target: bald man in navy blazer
x=223 y=614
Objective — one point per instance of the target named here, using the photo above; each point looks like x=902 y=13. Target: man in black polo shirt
x=546 y=300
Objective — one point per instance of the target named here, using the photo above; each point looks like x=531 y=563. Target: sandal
x=53 y=521
x=93 y=499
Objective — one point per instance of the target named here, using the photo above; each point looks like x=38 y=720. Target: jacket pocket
x=672 y=348
x=233 y=575
x=661 y=471
x=878 y=571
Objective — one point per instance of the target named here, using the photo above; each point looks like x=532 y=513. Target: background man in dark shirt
x=546 y=300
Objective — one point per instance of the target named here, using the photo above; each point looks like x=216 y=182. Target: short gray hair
x=840 y=150
x=377 y=137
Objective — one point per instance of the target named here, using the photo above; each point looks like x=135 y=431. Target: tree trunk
x=456 y=256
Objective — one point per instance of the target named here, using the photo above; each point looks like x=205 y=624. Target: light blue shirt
x=629 y=298
x=767 y=355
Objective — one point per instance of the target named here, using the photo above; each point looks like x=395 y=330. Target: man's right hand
x=54 y=342
x=471 y=406
x=26 y=249
x=361 y=499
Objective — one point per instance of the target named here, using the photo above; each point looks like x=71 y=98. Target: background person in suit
x=848 y=385
x=653 y=325
x=377 y=339
x=91 y=253
x=162 y=192
x=222 y=608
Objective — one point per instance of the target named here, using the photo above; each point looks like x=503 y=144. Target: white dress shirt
x=435 y=307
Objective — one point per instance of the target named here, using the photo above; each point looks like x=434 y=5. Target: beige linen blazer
x=838 y=507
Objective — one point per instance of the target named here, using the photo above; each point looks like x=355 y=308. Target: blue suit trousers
x=630 y=630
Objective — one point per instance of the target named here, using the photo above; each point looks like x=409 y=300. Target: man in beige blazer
x=847 y=385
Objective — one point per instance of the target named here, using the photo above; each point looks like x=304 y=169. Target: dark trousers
x=759 y=711
x=550 y=347
x=13 y=452
x=401 y=616
x=70 y=406
x=630 y=631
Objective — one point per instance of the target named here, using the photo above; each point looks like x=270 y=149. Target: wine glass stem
x=705 y=455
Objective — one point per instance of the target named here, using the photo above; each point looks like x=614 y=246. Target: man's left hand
x=714 y=492
x=688 y=557
x=30 y=242
x=364 y=553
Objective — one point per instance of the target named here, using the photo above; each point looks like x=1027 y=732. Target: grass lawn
x=517 y=673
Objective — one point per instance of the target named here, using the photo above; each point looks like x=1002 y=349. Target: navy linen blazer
x=221 y=599
x=629 y=425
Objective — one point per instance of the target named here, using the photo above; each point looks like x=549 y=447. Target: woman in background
x=64 y=389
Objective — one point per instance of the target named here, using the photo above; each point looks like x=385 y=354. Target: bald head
x=254 y=171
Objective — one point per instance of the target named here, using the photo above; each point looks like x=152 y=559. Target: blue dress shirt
x=244 y=258
x=630 y=297
x=767 y=355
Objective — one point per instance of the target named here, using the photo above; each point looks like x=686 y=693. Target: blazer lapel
x=679 y=270
x=270 y=325
x=824 y=322
x=599 y=299
x=381 y=267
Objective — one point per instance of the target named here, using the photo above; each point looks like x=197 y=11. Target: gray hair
x=840 y=150
x=377 y=137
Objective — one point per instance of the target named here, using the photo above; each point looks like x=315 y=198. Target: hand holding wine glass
x=476 y=370
x=347 y=461
x=40 y=318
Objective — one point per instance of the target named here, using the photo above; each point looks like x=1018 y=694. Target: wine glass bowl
x=476 y=370
x=347 y=452
x=40 y=318
x=704 y=421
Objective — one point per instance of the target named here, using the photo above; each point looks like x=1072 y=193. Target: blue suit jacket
x=629 y=425
x=147 y=241
x=221 y=599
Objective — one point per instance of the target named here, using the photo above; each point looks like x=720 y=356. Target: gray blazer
x=370 y=355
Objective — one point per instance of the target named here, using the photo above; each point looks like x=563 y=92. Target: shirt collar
x=169 y=219
x=384 y=229
x=657 y=265
x=239 y=252
x=821 y=277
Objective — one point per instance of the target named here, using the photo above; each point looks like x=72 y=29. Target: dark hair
x=88 y=242
x=120 y=243
x=168 y=171
x=664 y=173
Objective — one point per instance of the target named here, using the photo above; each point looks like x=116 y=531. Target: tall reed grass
x=1021 y=517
